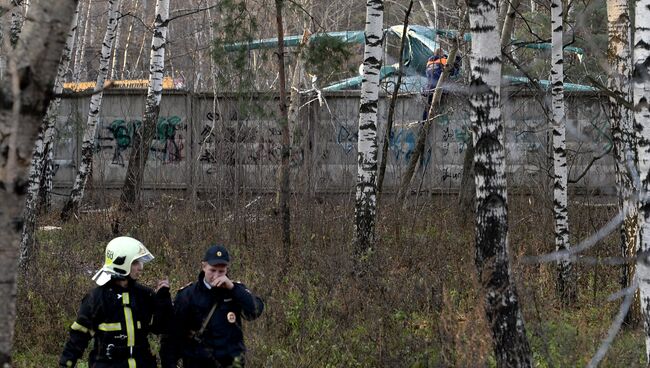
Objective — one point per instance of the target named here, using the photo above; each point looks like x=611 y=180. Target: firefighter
x=119 y=313
x=206 y=331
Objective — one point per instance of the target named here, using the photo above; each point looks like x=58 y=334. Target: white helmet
x=120 y=254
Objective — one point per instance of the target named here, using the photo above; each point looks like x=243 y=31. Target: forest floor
x=418 y=305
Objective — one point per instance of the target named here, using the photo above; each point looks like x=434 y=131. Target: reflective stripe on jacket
x=119 y=320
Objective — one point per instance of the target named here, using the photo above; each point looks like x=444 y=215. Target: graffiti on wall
x=167 y=146
x=247 y=141
x=347 y=137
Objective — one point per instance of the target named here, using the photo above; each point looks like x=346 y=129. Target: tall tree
x=79 y=68
x=565 y=281
x=145 y=133
x=43 y=146
x=641 y=91
x=127 y=43
x=619 y=57
x=17 y=20
x=393 y=101
x=511 y=348
x=366 y=197
x=32 y=66
x=116 y=47
x=90 y=130
x=467 y=189
x=297 y=130
x=285 y=150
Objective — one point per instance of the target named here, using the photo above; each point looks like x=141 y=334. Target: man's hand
x=224 y=282
x=164 y=283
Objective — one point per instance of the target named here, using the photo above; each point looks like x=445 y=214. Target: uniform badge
x=231 y=317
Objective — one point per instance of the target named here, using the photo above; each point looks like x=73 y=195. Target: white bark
x=511 y=348
x=90 y=130
x=79 y=70
x=641 y=89
x=426 y=14
x=128 y=42
x=620 y=64
x=142 y=137
x=17 y=20
x=366 y=197
x=508 y=22
x=560 y=172
x=43 y=146
x=33 y=63
x=116 y=46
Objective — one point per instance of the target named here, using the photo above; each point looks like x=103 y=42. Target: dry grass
x=419 y=304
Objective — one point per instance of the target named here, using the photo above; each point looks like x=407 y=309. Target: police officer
x=207 y=327
x=119 y=313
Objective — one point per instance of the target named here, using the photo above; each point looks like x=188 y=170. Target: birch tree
x=143 y=136
x=32 y=68
x=565 y=282
x=17 y=20
x=511 y=348
x=620 y=65
x=366 y=197
x=79 y=69
x=43 y=146
x=283 y=174
x=127 y=43
x=641 y=91
x=393 y=101
x=296 y=129
x=90 y=130
x=116 y=47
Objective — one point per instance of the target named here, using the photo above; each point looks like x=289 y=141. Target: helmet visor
x=144 y=258
x=143 y=255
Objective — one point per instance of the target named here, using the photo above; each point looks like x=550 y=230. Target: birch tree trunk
x=43 y=147
x=366 y=197
x=33 y=68
x=143 y=136
x=116 y=46
x=620 y=66
x=511 y=348
x=508 y=23
x=565 y=281
x=426 y=14
x=80 y=56
x=467 y=189
x=641 y=89
x=393 y=102
x=127 y=43
x=283 y=175
x=296 y=128
x=17 y=20
x=88 y=145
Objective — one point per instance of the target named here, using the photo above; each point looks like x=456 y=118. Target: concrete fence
x=233 y=141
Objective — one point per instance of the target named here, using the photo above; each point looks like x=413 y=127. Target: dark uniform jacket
x=222 y=340
x=119 y=319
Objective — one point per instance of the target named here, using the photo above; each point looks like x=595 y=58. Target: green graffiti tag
x=166 y=146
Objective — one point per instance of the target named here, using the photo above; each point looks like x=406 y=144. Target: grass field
x=418 y=305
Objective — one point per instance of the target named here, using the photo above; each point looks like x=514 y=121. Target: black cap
x=217 y=255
